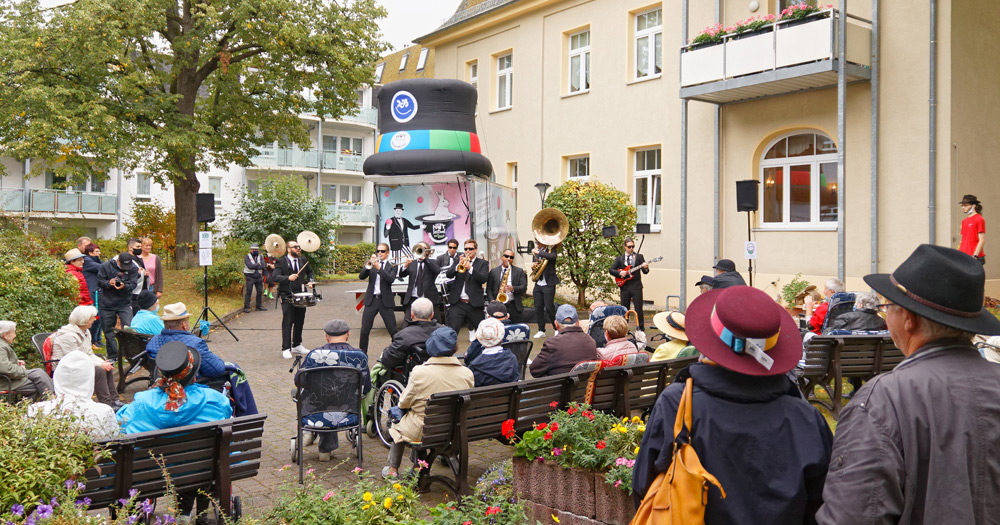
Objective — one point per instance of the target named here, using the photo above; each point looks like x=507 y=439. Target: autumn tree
x=174 y=87
x=586 y=255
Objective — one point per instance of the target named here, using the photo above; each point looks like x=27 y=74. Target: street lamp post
x=543 y=188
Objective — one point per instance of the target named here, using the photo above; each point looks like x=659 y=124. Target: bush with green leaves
x=226 y=271
x=493 y=501
x=364 y=500
x=109 y=247
x=282 y=205
x=585 y=254
x=792 y=289
x=349 y=259
x=35 y=290
x=154 y=220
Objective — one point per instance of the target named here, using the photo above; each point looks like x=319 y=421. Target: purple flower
x=132 y=519
x=133 y=493
x=69 y=484
x=54 y=502
x=44 y=511
x=122 y=501
x=17 y=510
x=80 y=485
x=146 y=507
x=163 y=520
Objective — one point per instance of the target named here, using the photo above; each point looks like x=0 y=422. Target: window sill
x=501 y=110
x=644 y=79
x=794 y=228
x=576 y=94
x=142 y=197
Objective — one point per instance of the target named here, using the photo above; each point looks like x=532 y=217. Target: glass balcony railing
x=58 y=201
x=297 y=158
x=352 y=213
x=367 y=115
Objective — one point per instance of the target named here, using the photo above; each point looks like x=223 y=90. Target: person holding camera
x=117 y=278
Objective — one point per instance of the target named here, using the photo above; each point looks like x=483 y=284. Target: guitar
x=620 y=281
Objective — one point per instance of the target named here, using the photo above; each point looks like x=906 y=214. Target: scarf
x=176 y=396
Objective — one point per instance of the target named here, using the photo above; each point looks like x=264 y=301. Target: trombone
x=421 y=251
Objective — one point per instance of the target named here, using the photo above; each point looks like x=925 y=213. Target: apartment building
x=854 y=166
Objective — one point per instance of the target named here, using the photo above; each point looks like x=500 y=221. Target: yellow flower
x=555 y=519
x=625 y=419
x=399 y=497
x=637 y=450
x=636 y=419
x=396 y=486
x=642 y=428
x=367 y=496
x=387 y=503
x=623 y=430
x=365 y=507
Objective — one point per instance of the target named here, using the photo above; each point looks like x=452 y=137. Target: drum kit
x=310 y=242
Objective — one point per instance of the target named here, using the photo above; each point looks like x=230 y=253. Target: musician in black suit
x=397 y=229
x=514 y=284
x=544 y=292
x=422 y=273
x=446 y=260
x=631 y=291
x=466 y=298
x=378 y=296
x=293 y=275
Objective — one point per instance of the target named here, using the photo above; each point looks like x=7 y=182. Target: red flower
x=553 y=404
x=554 y=426
x=588 y=415
x=507 y=429
x=548 y=435
x=542 y=426
x=492 y=510
x=601 y=444
x=571 y=411
x=467 y=522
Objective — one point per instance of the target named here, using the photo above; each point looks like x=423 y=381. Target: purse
x=679 y=495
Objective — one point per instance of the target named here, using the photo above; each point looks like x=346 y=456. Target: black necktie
x=416 y=276
x=295 y=266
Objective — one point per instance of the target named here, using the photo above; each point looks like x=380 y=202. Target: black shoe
x=261 y=309
x=246 y=310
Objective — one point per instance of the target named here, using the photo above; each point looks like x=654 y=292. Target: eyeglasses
x=508 y=256
x=630 y=246
x=294 y=247
x=453 y=247
x=382 y=251
x=884 y=307
x=470 y=249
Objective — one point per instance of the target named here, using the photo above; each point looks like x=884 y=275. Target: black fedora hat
x=173 y=358
x=941 y=284
x=725 y=265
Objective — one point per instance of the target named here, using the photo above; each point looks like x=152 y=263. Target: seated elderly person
x=864 y=317
x=336 y=352
x=26 y=382
x=616 y=335
x=145 y=320
x=512 y=331
x=563 y=351
x=494 y=364
x=75 y=337
x=177 y=326
x=672 y=324
x=73 y=381
x=441 y=373
x=176 y=400
x=407 y=342
x=817 y=315
x=705 y=284
x=777 y=446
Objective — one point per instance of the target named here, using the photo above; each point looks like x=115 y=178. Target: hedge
x=350 y=259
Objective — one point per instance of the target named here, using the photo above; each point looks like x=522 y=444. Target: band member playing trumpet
x=508 y=284
x=378 y=297
x=544 y=292
x=293 y=275
x=466 y=298
x=422 y=270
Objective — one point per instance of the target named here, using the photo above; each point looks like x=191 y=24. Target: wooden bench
x=831 y=358
x=453 y=420
x=207 y=456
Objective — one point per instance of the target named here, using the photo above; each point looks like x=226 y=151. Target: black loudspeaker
x=206 y=207
x=746 y=195
x=609 y=231
x=642 y=228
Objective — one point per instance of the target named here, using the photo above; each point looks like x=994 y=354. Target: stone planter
x=613 y=506
x=550 y=485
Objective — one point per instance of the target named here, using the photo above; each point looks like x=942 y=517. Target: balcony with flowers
x=771 y=54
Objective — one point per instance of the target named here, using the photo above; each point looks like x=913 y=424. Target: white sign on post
x=205 y=256
x=750 y=250
x=205 y=240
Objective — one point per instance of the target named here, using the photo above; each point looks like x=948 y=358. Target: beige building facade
x=596 y=88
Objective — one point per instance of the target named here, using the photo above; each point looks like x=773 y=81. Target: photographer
x=116 y=278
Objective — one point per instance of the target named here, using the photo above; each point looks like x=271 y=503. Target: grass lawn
x=179 y=286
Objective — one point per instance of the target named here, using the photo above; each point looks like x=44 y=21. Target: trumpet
x=373 y=259
x=464 y=263
x=421 y=251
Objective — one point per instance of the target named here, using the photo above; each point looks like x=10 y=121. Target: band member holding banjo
x=631 y=289
x=422 y=270
x=508 y=284
x=293 y=275
x=378 y=297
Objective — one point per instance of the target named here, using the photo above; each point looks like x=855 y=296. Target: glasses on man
x=884 y=307
x=382 y=251
x=469 y=249
x=505 y=256
x=630 y=246
x=294 y=247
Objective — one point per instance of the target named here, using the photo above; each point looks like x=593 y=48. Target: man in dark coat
x=397 y=230
x=515 y=285
x=919 y=444
x=116 y=279
x=752 y=430
x=544 y=292
x=726 y=275
x=570 y=346
x=410 y=340
x=466 y=298
x=446 y=260
x=293 y=274
x=378 y=297
x=631 y=291
x=253 y=276
x=864 y=317
x=422 y=275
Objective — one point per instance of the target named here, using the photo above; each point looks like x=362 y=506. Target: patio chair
x=45 y=351
x=328 y=399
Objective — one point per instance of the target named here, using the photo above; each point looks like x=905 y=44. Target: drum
x=303 y=300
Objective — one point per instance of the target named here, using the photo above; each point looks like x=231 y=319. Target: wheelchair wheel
x=370 y=427
x=387 y=397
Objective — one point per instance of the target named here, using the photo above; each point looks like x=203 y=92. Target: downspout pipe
x=716 y=234
x=841 y=135
x=932 y=139
x=684 y=139
x=875 y=136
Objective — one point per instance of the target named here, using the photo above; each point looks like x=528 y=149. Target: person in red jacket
x=817 y=316
x=973 y=228
x=74 y=265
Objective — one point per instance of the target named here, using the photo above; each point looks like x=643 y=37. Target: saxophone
x=501 y=295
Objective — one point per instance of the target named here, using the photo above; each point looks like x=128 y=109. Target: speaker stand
x=205 y=310
x=750 y=261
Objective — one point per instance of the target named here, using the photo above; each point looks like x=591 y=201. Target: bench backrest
x=131 y=344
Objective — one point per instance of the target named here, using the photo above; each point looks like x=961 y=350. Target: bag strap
x=684 y=410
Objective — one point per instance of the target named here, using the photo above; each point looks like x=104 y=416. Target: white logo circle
x=403 y=106
x=400 y=140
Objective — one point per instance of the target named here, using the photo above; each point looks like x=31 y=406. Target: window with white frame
x=403 y=61
x=378 y=72
x=474 y=73
x=799 y=178
x=648 y=177
x=512 y=174
x=215 y=187
x=578 y=167
x=422 y=59
x=330 y=193
x=579 y=62
x=648 y=43
x=350 y=194
x=142 y=184
x=505 y=81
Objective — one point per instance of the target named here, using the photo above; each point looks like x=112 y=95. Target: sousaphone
x=274 y=245
x=309 y=241
x=550 y=227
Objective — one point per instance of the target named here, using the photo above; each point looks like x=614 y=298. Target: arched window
x=798 y=175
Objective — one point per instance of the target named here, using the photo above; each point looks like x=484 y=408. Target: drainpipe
x=118 y=204
x=684 y=138
x=841 y=134
x=932 y=160
x=715 y=173
x=26 y=199
x=874 y=138
x=319 y=157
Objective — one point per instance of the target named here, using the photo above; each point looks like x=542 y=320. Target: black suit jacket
x=551 y=279
x=283 y=269
x=636 y=280
x=727 y=279
x=388 y=275
x=473 y=280
x=444 y=260
x=518 y=279
x=427 y=287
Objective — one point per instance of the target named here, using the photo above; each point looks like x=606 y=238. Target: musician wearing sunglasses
x=378 y=297
x=627 y=267
x=465 y=297
x=293 y=274
x=508 y=284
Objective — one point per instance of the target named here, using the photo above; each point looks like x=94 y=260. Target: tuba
x=550 y=227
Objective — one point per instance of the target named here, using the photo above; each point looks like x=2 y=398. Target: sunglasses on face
x=382 y=251
x=630 y=246
x=508 y=256
x=470 y=249
x=453 y=247
x=294 y=248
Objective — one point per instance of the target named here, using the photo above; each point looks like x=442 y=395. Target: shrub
x=364 y=500
x=351 y=259
x=226 y=271
x=109 y=247
x=154 y=220
x=790 y=290
x=35 y=290
x=493 y=501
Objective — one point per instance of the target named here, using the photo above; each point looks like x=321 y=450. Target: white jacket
x=73 y=381
x=72 y=338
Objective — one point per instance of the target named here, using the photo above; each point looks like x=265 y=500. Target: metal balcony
x=352 y=214
x=58 y=202
x=308 y=159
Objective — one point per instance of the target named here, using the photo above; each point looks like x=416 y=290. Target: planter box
x=614 y=506
x=749 y=54
x=548 y=484
x=702 y=65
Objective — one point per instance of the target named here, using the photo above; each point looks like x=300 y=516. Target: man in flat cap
x=919 y=444
x=253 y=275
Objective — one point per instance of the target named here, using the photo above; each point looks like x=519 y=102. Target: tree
x=175 y=86
x=154 y=220
x=586 y=255
x=282 y=205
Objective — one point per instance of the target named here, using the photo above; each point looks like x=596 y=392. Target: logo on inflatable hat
x=174 y=312
x=72 y=255
x=672 y=324
x=742 y=329
x=174 y=357
x=403 y=106
x=941 y=284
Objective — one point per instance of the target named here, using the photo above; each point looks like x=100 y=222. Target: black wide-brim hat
x=173 y=357
x=941 y=284
x=718 y=318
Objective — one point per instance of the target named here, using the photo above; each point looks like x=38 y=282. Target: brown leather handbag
x=679 y=495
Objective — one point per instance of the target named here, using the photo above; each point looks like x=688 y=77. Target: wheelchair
x=388 y=389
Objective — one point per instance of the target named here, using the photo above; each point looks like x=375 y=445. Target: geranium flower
x=492 y=510
x=554 y=426
x=328 y=496
x=571 y=410
x=542 y=426
x=507 y=429
x=601 y=444
x=548 y=435
x=422 y=464
x=557 y=451
x=553 y=404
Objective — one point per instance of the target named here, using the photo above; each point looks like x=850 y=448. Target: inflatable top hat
x=427 y=126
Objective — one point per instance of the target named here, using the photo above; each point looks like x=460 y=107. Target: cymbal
x=309 y=241
x=274 y=245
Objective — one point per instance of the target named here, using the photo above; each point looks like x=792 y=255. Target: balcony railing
x=297 y=158
x=366 y=115
x=19 y=200
x=783 y=57
x=352 y=213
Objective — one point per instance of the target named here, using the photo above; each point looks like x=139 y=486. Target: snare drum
x=303 y=300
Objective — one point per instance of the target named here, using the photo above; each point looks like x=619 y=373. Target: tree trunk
x=185 y=205
x=582 y=297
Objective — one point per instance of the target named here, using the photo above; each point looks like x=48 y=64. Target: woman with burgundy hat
x=752 y=429
x=973 y=228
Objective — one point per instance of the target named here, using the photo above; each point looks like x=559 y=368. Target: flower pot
x=614 y=506
x=551 y=485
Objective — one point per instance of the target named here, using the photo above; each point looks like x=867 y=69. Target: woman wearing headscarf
x=75 y=337
x=73 y=382
x=34 y=382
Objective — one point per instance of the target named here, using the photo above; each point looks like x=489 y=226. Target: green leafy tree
x=175 y=86
x=154 y=220
x=586 y=255
x=282 y=205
